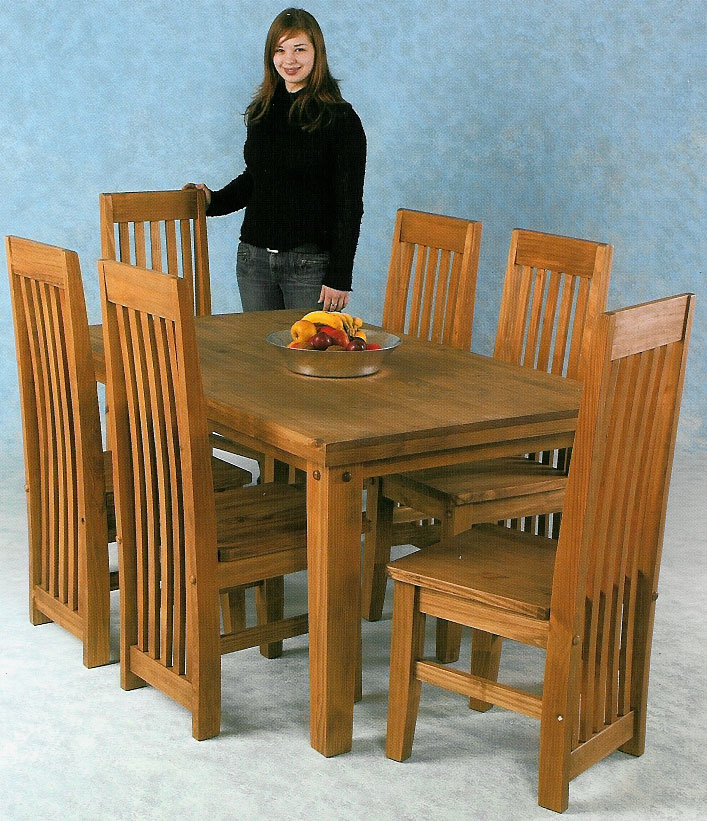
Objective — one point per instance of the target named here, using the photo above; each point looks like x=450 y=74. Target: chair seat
x=477 y=482
x=489 y=564
x=261 y=519
x=226 y=477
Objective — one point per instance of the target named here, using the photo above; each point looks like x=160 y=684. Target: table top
x=427 y=397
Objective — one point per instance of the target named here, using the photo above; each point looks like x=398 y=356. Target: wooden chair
x=431 y=281
x=554 y=291
x=587 y=599
x=71 y=517
x=429 y=294
x=179 y=543
x=69 y=579
x=166 y=231
x=160 y=230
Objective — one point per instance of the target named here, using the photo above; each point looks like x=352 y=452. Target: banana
x=325 y=318
x=348 y=322
x=351 y=323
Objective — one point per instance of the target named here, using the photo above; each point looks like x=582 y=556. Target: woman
x=302 y=187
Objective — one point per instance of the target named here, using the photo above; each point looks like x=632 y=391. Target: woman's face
x=294 y=60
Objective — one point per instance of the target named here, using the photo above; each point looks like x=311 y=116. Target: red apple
x=373 y=346
x=339 y=336
x=356 y=344
x=321 y=341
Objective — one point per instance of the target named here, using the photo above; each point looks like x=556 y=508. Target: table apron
x=381 y=460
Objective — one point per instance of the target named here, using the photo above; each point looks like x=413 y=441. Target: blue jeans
x=269 y=280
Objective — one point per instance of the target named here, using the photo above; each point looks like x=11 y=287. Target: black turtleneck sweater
x=301 y=187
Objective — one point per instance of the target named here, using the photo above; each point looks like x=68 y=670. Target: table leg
x=334 y=579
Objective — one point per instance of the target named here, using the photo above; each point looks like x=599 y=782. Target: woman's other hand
x=207 y=191
x=333 y=300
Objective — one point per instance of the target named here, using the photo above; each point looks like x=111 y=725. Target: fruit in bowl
x=329 y=331
x=301 y=346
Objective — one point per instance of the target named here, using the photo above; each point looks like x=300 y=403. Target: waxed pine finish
x=69 y=580
x=464 y=406
x=179 y=542
x=587 y=599
x=554 y=289
x=71 y=516
x=166 y=231
x=431 y=282
x=430 y=293
x=160 y=230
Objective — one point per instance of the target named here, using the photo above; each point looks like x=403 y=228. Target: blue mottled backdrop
x=579 y=117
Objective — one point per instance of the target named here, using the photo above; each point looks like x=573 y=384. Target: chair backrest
x=608 y=554
x=554 y=290
x=61 y=432
x=160 y=230
x=432 y=277
x=162 y=471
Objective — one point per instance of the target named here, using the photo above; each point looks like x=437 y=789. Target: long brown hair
x=315 y=105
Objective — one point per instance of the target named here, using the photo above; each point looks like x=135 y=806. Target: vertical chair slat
x=553 y=337
x=40 y=551
x=431 y=273
x=71 y=342
x=152 y=513
x=565 y=325
x=171 y=247
x=129 y=355
x=155 y=247
x=124 y=242
x=453 y=264
x=140 y=244
x=155 y=434
x=513 y=344
x=398 y=284
x=418 y=282
x=179 y=556
x=535 y=320
x=165 y=455
x=170 y=525
x=580 y=321
x=187 y=255
x=65 y=508
x=51 y=433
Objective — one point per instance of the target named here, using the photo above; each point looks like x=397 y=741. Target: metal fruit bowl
x=337 y=364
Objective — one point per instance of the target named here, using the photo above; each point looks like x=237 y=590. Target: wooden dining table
x=429 y=405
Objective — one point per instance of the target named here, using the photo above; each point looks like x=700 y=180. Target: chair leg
x=553 y=765
x=557 y=725
x=36 y=616
x=205 y=671
x=376 y=551
x=449 y=637
x=270 y=606
x=406 y=646
x=485 y=661
x=448 y=634
x=233 y=609
x=640 y=666
x=358 y=691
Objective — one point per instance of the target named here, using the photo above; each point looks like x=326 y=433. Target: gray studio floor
x=74 y=745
